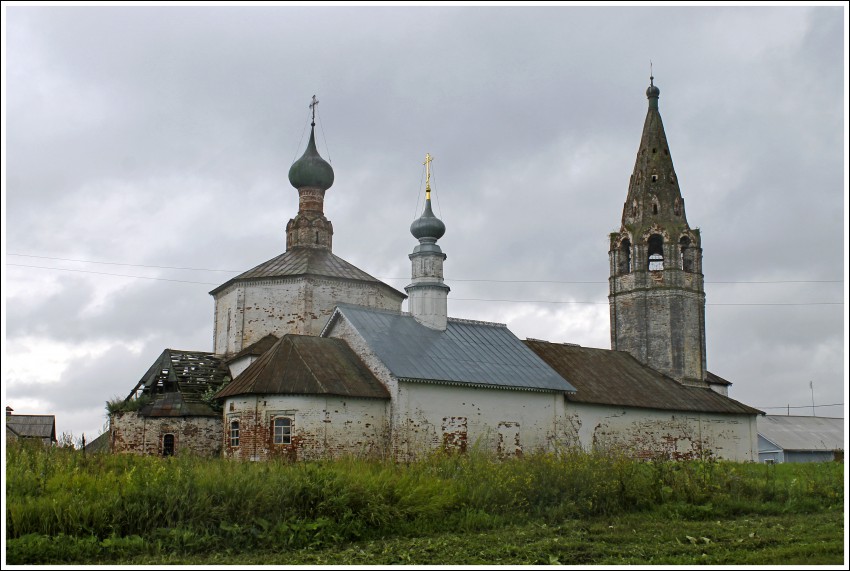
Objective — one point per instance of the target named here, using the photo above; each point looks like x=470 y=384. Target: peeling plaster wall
x=647 y=433
x=248 y=311
x=136 y=434
x=322 y=427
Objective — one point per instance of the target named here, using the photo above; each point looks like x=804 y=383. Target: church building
x=324 y=363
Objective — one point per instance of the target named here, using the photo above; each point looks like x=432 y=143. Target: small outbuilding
x=800 y=439
x=41 y=427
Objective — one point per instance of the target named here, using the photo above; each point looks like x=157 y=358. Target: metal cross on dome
x=313 y=105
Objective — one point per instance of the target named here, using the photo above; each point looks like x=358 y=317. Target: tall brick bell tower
x=656 y=289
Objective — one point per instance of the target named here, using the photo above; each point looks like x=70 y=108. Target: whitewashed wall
x=506 y=422
x=653 y=432
x=248 y=311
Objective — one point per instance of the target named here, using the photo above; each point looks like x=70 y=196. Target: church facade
x=324 y=362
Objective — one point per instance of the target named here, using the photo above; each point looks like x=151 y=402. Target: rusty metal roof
x=256 y=348
x=468 y=352
x=602 y=376
x=32 y=425
x=177 y=381
x=802 y=432
x=713 y=379
x=302 y=261
x=307 y=365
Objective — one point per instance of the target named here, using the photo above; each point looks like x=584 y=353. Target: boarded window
x=282 y=430
x=234 y=433
x=509 y=444
x=454 y=433
x=168 y=445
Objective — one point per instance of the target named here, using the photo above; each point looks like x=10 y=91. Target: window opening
x=282 y=429
x=656 y=253
x=168 y=445
x=234 y=433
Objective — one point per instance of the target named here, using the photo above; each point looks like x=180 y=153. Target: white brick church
x=314 y=358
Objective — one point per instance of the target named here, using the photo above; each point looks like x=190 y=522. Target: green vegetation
x=121 y=405
x=575 y=507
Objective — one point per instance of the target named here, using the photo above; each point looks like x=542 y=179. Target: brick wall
x=136 y=434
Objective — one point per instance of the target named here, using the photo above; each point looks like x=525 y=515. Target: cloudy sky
x=154 y=142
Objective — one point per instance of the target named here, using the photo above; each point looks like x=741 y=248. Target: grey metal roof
x=802 y=432
x=99 y=444
x=467 y=352
x=607 y=377
x=301 y=261
x=32 y=425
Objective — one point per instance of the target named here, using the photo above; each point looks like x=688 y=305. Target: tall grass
x=107 y=503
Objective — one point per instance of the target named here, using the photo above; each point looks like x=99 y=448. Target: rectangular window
x=282 y=430
x=234 y=433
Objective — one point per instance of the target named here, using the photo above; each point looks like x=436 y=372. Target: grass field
x=570 y=508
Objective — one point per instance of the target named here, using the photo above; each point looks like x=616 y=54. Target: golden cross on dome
x=427 y=163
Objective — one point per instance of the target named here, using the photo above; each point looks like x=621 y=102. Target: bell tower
x=656 y=288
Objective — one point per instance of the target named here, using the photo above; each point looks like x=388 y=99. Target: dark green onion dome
x=428 y=225
x=652 y=90
x=311 y=170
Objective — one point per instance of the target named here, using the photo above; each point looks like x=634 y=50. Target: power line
x=803 y=406
x=453 y=298
x=119 y=264
x=407 y=278
x=108 y=274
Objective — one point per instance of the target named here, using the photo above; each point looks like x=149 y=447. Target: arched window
x=282 y=430
x=168 y=445
x=234 y=433
x=656 y=252
x=634 y=207
x=625 y=257
x=687 y=254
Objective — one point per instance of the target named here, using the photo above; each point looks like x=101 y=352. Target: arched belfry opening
x=625 y=265
x=656 y=252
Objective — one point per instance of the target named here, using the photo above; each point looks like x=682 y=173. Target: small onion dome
x=311 y=170
x=652 y=90
x=428 y=225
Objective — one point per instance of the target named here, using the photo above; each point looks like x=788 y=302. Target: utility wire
x=407 y=278
x=453 y=298
x=108 y=274
x=804 y=406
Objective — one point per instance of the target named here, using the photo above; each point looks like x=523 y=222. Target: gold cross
x=427 y=163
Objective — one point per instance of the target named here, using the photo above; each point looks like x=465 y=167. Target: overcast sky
x=144 y=137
